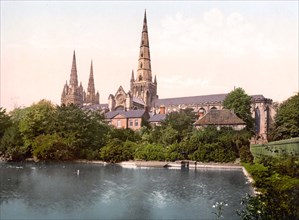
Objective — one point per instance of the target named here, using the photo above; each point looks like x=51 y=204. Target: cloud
x=183 y=82
x=215 y=34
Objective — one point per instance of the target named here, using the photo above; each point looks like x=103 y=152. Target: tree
x=181 y=121
x=286 y=123
x=5 y=121
x=117 y=151
x=37 y=120
x=238 y=101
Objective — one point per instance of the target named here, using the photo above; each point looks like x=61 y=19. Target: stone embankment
x=187 y=164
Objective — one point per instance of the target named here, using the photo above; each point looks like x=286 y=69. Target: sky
x=197 y=47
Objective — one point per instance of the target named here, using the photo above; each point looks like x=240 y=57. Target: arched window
x=213 y=108
x=257 y=120
x=140 y=64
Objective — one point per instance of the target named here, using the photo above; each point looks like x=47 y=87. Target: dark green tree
x=238 y=101
x=181 y=121
x=117 y=151
x=286 y=123
x=84 y=131
x=5 y=121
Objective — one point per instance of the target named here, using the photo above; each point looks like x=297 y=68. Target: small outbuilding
x=220 y=118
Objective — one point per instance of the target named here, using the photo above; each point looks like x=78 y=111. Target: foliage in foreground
x=277 y=180
x=48 y=132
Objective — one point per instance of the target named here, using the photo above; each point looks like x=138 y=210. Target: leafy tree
x=170 y=136
x=240 y=102
x=117 y=151
x=52 y=147
x=123 y=134
x=150 y=152
x=287 y=119
x=12 y=144
x=5 y=121
x=37 y=120
x=181 y=121
x=83 y=130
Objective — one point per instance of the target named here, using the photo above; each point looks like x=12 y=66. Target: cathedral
x=142 y=98
x=75 y=94
x=143 y=90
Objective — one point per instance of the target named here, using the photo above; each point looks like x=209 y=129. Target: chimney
x=162 y=110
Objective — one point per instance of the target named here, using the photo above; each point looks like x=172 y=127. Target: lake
x=97 y=191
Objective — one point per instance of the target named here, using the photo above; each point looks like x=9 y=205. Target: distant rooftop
x=189 y=100
x=157 y=118
x=126 y=114
x=220 y=117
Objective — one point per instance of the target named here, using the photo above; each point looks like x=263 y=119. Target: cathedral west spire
x=74 y=76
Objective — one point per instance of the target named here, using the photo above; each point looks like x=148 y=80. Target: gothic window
x=257 y=120
x=141 y=54
x=140 y=64
x=140 y=77
x=213 y=108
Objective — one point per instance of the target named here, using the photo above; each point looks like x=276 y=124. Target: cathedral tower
x=72 y=93
x=143 y=87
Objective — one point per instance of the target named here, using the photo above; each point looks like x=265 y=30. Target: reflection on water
x=59 y=191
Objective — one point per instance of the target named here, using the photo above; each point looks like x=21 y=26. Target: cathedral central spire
x=144 y=72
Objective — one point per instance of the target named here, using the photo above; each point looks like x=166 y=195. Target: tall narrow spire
x=144 y=72
x=74 y=77
x=90 y=88
x=144 y=23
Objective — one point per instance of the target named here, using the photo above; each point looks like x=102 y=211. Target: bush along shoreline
x=277 y=181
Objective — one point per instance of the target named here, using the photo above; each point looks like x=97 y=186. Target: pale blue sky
x=197 y=47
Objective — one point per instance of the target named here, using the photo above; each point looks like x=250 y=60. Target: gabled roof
x=157 y=118
x=126 y=114
x=220 y=117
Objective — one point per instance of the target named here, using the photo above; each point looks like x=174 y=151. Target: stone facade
x=74 y=94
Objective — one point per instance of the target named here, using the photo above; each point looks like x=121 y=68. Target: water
x=56 y=191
